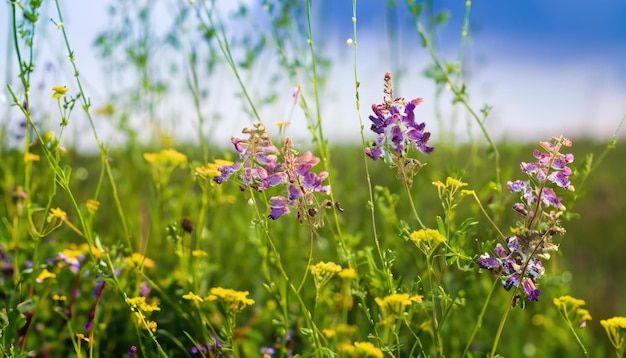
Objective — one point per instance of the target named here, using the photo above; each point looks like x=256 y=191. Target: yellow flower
x=92 y=206
x=235 y=301
x=140 y=304
x=193 y=297
x=139 y=260
x=428 y=236
x=616 y=330
x=347 y=274
x=59 y=91
x=571 y=310
x=199 y=253
x=568 y=302
x=361 y=350
x=152 y=325
x=44 y=275
x=323 y=272
x=394 y=305
x=211 y=170
x=57 y=213
x=329 y=332
x=57 y=297
x=31 y=157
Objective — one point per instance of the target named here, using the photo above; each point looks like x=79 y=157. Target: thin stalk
x=479 y=321
x=368 y=177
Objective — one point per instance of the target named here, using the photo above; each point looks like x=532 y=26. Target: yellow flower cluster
x=571 y=309
x=427 y=240
x=139 y=260
x=211 y=169
x=163 y=163
x=361 y=350
x=140 y=304
x=166 y=157
x=235 y=301
x=57 y=213
x=142 y=309
x=394 y=305
x=44 y=275
x=428 y=236
x=616 y=330
x=323 y=272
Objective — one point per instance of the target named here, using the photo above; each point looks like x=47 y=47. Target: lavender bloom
x=516 y=265
x=398 y=132
x=541 y=209
x=260 y=169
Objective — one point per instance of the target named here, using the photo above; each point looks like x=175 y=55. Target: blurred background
x=544 y=67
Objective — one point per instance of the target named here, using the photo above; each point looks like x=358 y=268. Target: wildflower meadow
x=122 y=238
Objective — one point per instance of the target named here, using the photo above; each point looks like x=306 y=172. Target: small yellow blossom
x=361 y=350
x=323 y=272
x=211 y=170
x=59 y=91
x=329 y=332
x=616 y=330
x=571 y=310
x=57 y=297
x=193 y=297
x=199 y=253
x=47 y=137
x=427 y=240
x=166 y=157
x=347 y=274
x=235 y=301
x=139 y=260
x=31 y=157
x=568 y=302
x=60 y=25
x=57 y=213
x=44 y=275
x=92 y=206
x=394 y=305
x=152 y=325
x=428 y=236
x=141 y=304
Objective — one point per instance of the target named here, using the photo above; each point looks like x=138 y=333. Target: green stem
x=502 y=322
x=479 y=321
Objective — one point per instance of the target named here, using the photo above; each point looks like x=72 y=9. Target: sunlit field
x=122 y=237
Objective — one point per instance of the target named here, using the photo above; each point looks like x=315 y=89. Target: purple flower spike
x=541 y=209
x=394 y=123
x=260 y=169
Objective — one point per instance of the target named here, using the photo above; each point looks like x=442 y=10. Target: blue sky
x=546 y=67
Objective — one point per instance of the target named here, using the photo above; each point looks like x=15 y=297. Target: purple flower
x=541 y=208
x=260 y=169
x=132 y=351
x=394 y=123
x=279 y=206
x=515 y=265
